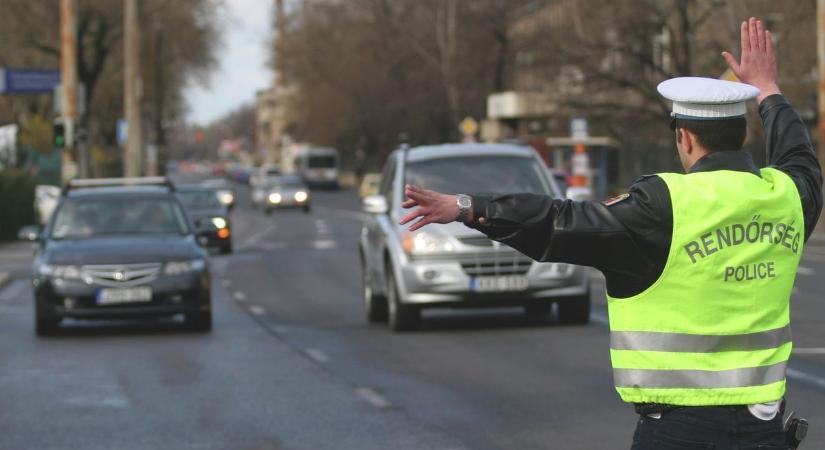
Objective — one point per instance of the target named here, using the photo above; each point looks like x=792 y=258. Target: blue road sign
x=28 y=81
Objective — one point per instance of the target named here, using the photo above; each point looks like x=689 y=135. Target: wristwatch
x=464 y=202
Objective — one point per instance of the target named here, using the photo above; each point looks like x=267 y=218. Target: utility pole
x=132 y=157
x=157 y=149
x=68 y=84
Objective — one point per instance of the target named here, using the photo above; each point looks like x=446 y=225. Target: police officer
x=699 y=266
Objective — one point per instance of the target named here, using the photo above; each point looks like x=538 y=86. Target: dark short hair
x=715 y=135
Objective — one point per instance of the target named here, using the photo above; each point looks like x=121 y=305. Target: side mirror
x=375 y=204
x=29 y=233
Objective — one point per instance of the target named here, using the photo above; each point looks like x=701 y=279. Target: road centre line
x=317 y=355
x=226 y=283
x=257 y=236
x=373 y=398
x=809 y=350
x=239 y=296
x=257 y=310
x=805 y=377
x=802 y=270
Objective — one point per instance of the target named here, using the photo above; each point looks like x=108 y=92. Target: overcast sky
x=242 y=58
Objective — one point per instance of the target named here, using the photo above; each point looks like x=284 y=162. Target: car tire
x=307 y=209
x=538 y=310
x=374 y=304
x=200 y=321
x=268 y=211
x=46 y=326
x=575 y=310
x=401 y=317
x=226 y=249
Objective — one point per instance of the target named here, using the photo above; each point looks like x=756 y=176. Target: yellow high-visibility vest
x=714 y=329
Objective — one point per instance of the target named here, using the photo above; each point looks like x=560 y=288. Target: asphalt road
x=292 y=363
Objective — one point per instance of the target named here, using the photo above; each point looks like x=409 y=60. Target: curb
x=5 y=278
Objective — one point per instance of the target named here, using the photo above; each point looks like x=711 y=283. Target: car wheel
x=307 y=209
x=538 y=310
x=226 y=249
x=374 y=304
x=268 y=211
x=200 y=321
x=401 y=317
x=46 y=326
x=575 y=310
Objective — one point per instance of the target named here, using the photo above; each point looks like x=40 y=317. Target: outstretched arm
x=788 y=146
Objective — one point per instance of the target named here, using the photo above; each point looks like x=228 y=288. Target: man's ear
x=688 y=140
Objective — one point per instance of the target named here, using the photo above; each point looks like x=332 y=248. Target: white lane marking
x=324 y=244
x=802 y=270
x=373 y=398
x=317 y=355
x=226 y=283
x=257 y=236
x=809 y=350
x=805 y=377
x=239 y=296
x=257 y=310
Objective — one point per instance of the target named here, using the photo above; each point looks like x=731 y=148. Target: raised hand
x=432 y=207
x=757 y=65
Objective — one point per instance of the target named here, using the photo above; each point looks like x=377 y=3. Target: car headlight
x=183 y=267
x=275 y=197
x=301 y=196
x=219 y=222
x=226 y=197
x=60 y=271
x=421 y=242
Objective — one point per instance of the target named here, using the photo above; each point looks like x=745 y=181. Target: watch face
x=464 y=201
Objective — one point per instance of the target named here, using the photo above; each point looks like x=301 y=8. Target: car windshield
x=319 y=161
x=87 y=218
x=199 y=199
x=287 y=181
x=479 y=174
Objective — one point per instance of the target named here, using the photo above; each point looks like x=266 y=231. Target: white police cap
x=700 y=98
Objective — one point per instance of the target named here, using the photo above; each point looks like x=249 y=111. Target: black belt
x=659 y=408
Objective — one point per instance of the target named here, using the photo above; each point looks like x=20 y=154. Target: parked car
x=209 y=217
x=287 y=191
x=119 y=248
x=369 y=185
x=452 y=265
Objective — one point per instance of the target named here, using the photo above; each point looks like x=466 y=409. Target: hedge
x=16 y=202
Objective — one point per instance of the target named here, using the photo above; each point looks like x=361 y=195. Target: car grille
x=476 y=241
x=502 y=264
x=121 y=275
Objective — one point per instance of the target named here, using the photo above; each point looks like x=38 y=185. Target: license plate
x=508 y=283
x=127 y=295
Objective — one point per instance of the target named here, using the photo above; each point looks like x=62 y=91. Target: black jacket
x=629 y=240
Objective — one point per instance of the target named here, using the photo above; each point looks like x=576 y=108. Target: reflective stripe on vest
x=714 y=329
x=682 y=342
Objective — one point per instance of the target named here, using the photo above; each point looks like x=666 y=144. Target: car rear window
x=88 y=217
x=479 y=174
x=199 y=199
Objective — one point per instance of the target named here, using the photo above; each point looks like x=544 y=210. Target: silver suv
x=452 y=265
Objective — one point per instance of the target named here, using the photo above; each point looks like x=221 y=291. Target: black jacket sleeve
x=789 y=149
x=628 y=240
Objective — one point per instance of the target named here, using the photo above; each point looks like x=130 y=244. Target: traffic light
x=59 y=136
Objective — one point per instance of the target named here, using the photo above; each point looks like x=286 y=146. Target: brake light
x=223 y=233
